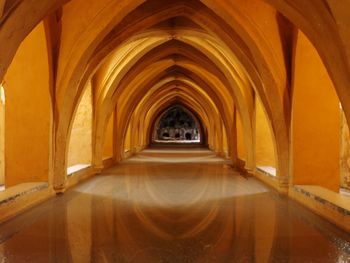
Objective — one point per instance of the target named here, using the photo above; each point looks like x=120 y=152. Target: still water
x=171 y=206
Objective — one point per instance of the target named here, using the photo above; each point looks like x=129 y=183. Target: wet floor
x=171 y=206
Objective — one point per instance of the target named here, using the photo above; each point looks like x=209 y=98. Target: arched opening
x=80 y=144
x=26 y=131
x=177 y=125
x=241 y=147
x=108 y=142
x=315 y=121
x=264 y=141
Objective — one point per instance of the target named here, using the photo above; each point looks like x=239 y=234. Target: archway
x=177 y=125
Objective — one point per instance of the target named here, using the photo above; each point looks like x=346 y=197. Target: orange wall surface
x=80 y=150
x=224 y=140
x=264 y=147
x=2 y=136
x=127 y=143
x=108 y=144
x=28 y=112
x=241 y=149
x=315 y=120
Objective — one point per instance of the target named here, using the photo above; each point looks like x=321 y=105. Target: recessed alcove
x=177 y=125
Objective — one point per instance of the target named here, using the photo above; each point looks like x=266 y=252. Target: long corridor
x=163 y=205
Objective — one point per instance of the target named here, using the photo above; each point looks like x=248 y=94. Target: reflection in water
x=146 y=211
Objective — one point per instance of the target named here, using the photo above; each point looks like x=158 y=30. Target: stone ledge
x=108 y=162
x=16 y=199
x=76 y=168
x=268 y=179
x=81 y=172
x=336 y=201
x=267 y=170
x=331 y=205
x=81 y=175
x=10 y=194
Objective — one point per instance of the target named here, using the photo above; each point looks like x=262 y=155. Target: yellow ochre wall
x=224 y=141
x=127 y=143
x=2 y=136
x=241 y=149
x=108 y=144
x=28 y=112
x=264 y=146
x=315 y=120
x=80 y=150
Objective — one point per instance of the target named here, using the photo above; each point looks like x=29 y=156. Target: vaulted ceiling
x=214 y=57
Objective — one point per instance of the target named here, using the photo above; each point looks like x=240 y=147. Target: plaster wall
x=2 y=5
x=74 y=26
x=224 y=140
x=127 y=144
x=108 y=144
x=266 y=23
x=344 y=152
x=2 y=136
x=80 y=150
x=28 y=112
x=315 y=120
x=264 y=147
x=241 y=149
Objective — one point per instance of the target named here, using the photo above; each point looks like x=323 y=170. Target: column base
x=59 y=189
x=283 y=186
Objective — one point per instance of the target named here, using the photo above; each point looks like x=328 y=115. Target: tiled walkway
x=171 y=206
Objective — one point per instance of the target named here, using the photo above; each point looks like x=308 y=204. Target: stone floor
x=171 y=206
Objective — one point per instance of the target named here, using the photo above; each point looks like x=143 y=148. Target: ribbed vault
x=217 y=58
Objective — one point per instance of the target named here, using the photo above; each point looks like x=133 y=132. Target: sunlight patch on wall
x=344 y=152
x=80 y=150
